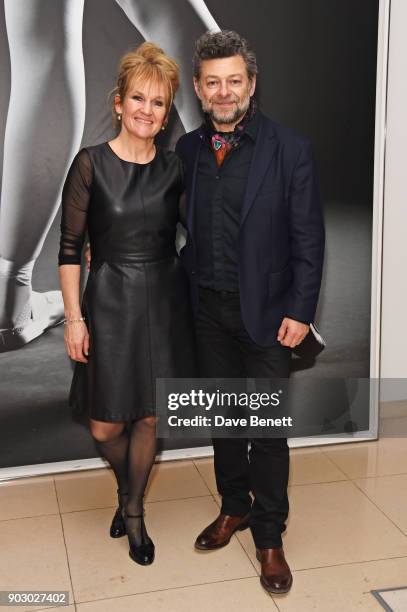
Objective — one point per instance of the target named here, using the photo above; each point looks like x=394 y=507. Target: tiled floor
x=347 y=535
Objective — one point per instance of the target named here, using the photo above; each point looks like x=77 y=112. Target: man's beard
x=231 y=116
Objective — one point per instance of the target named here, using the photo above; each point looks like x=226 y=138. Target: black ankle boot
x=144 y=552
x=118 y=527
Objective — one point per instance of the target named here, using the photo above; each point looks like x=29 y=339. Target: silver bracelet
x=67 y=321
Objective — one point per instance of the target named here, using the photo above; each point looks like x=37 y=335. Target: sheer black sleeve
x=75 y=203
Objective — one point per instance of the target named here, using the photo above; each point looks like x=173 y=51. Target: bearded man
x=254 y=257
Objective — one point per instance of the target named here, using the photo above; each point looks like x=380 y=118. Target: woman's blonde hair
x=146 y=63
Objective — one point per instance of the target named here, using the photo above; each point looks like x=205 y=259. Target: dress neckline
x=130 y=162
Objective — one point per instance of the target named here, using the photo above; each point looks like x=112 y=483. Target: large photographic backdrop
x=58 y=60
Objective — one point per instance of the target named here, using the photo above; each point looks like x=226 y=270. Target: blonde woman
x=135 y=322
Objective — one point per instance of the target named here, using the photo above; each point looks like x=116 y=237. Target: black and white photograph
x=194 y=189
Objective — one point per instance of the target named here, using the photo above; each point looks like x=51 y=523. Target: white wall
x=393 y=361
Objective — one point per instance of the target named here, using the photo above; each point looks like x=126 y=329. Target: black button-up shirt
x=219 y=199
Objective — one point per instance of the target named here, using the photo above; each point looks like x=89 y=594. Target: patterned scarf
x=223 y=142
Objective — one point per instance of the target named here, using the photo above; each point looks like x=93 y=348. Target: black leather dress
x=136 y=300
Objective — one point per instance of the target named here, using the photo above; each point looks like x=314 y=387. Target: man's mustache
x=224 y=100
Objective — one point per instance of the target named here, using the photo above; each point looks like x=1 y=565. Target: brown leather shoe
x=275 y=572
x=218 y=533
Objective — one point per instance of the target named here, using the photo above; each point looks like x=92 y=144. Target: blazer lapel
x=191 y=206
x=264 y=151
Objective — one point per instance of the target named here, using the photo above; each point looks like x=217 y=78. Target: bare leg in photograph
x=47 y=96
x=175 y=26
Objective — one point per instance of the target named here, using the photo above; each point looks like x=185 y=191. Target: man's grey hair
x=226 y=43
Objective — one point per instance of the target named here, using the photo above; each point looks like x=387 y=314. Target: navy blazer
x=281 y=239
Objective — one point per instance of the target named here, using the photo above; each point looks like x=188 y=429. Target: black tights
x=131 y=454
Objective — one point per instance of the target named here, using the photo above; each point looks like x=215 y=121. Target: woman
x=135 y=324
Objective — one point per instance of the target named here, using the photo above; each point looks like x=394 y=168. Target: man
x=254 y=257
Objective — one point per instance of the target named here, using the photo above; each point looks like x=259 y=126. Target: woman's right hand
x=76 y=339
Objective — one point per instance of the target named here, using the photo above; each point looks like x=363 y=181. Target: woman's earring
x=119 y=117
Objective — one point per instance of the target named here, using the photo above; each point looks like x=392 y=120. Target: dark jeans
x=226 y=350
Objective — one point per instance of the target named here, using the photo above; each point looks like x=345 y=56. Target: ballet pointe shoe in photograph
x=44 y=310
x=143 y=553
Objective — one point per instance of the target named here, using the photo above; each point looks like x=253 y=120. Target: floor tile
x=344 y=588
x=393 y=418
x=97 y=488
x=364 y=459
x=391 y=410
x=389 y=493
x=86 y=490
x=27 y=497
x=64 y=608
x=100 y=567
x=175 y=480
x=205 y=468
x=395 y=599
x=241 y=594
x=309 y=465
x=334 y=523
x=33 y=556
x=343 y=537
